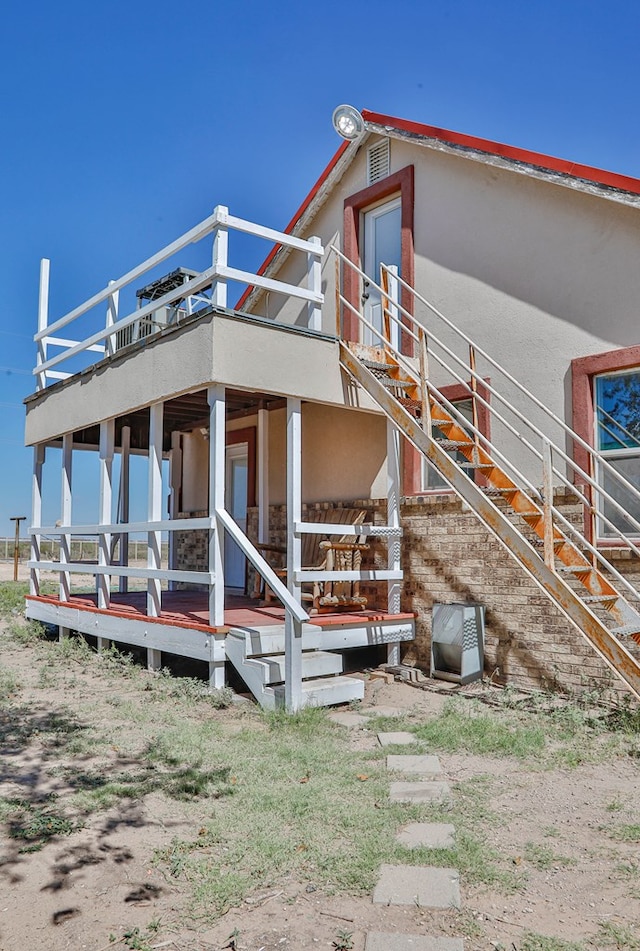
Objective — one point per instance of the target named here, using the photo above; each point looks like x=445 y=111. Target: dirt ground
x=100 y=882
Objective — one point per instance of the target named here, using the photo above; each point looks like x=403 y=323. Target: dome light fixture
x=348 y=122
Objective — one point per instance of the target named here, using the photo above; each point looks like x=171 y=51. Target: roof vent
x=378 y=161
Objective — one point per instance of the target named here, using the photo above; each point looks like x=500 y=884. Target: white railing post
x=154 y=508
x=547 y=503
x=65 y=514
x=220 y=255
x=175 y=485
x=107 y=435
x=125 y=447
x=43 y=319
x=314 y=284
x=263 y=476
x=293 y=628
x=36 y=516
x=217 y=474
x=393 y=521
x=112 y=317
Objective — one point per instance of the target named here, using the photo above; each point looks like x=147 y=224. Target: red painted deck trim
x=248 y=615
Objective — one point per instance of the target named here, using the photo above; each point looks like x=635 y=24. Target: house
x=436 y=371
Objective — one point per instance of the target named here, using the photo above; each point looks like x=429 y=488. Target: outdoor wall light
x=348 y=122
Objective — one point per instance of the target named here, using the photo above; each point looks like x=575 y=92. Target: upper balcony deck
x=179 y=336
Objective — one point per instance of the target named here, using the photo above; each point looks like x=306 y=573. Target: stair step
x=575 y=569
x=453 y=443
x=375 y=365
x=477 y=465
x=594 y=598
x=626 y=631
x=391 y=384
x=325 y=692
x=314 y=664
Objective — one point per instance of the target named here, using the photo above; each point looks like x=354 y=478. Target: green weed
x=9 y=686
x=543 y=858
x=627 y=833
x=619 y=936
x=532 y=941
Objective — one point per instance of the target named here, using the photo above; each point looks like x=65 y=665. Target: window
x=606 y=414
x=617 y=423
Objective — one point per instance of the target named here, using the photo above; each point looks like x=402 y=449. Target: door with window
x=381 y=231
x=617 y=437
x=236 y=492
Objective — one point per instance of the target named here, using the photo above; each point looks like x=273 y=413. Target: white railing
x=114 y=326
x=515 y=419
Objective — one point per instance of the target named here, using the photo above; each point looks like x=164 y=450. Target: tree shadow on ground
x=49 y=757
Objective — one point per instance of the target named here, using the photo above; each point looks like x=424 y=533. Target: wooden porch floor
x=190 y=609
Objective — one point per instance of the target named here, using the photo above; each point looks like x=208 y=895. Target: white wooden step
x=270 y=640
x=324 y=692
x=314 y=664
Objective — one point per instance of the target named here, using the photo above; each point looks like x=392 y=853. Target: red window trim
x=412 y=459
x=400 y=182
x=583 y=370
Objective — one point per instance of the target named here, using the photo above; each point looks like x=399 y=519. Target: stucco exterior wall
x=536 y=273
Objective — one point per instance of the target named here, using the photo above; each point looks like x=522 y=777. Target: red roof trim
x=548 y=162
x=575 y=170
x=299 y=213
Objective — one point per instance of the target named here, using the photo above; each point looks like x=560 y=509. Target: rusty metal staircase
x=568 y=568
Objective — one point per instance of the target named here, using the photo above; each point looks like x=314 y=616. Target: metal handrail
x=491 y=389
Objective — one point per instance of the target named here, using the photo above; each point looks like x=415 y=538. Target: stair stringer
x=623 y=664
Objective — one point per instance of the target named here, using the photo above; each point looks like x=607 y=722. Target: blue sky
x=123 y=124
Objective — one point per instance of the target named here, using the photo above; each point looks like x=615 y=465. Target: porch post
x=175 y=484
x=220 y=256
x=154 y=507
x=65 y=514
x=36 y=515
x=112 y=317
x=43 y=318
x=293 y=628
x=263 y=476
x=217 y=473
x=107 y=435
x=393 y=521
x=314 y=283
x=125 y=446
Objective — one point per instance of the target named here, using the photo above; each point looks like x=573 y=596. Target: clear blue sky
x=123 y=124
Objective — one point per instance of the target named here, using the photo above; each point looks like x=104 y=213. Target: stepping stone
x=352 y=721
x=396 y=739
x=428 y=835
x=384 y=712
x=377 y=941
x=417 y=885
x=416 y=765
x=419 y=792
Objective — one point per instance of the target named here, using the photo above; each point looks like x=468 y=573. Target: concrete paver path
x=418 y=886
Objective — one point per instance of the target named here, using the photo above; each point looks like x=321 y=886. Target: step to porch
x=314 y=664
x=325 y=692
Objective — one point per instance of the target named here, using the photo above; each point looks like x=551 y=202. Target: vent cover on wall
x=378 y=161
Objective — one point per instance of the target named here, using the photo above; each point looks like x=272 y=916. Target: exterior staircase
x=564 y=564
x=258 y=656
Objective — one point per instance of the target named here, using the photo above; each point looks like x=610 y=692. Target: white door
x=236 y=504
x=382 y=244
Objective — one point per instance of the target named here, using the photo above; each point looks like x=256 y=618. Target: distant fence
x=81 y=549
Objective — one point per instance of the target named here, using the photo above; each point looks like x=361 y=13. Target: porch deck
x=183 y=629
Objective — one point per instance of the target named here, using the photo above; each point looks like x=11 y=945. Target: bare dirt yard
x=137 y=811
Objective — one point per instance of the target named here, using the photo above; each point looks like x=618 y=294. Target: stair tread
x=592 y=598
x=626 y=629
x=326 y=685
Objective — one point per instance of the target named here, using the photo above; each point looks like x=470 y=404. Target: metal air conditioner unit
x=457 y=642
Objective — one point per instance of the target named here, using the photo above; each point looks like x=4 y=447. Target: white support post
x=263 y=476
x=547 y=495
x=175 y=484
x=217 y=473
x=43 y=319
x=36 y=515
x=393 y=521
x=314 y=283
x=293 y=628
x=154 y=509
x=125 y=449
x=107 y=435
x=220 y=255
x=154 y=659
x=112 y=317
x=65 y=515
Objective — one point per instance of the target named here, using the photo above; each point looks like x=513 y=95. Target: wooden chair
x=326 y=553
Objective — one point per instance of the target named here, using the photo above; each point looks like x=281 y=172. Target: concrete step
x=324 y=692
x=314 y=664
x=419 y=792
x=427 y=766
x=417 y=885
x=427 y=835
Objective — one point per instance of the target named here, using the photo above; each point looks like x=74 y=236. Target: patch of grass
x=25 y=633
x=543 y=858
x=627 y=833
x=190 y=690
x=9 y=686
x=619 y=936
x=12 y=595
x=531 y=941
x=468 y=726
x=37 y=826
